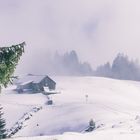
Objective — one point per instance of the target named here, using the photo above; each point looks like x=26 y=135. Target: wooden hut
x=35 y=83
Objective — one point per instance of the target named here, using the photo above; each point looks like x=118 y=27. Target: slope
x=113 y=105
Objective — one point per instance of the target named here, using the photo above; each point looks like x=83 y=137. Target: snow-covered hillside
x=114 y=105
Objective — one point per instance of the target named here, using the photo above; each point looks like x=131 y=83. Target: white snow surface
x=114 y=105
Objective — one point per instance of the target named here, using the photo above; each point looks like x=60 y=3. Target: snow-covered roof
x=25 y=83
x=32 y=78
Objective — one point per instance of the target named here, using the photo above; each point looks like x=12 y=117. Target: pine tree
x=91 y=126
x=2 y=125
x=9 y=57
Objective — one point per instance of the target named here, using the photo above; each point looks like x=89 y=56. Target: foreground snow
x=114 y=105
x=91 y=136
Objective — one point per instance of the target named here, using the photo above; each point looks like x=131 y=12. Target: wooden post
x=86 y=98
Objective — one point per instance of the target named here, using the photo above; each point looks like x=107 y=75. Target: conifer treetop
x=9 y=58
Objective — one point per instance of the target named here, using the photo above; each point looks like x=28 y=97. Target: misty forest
x=69 y=64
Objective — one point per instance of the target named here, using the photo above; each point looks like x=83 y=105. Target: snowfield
x=114 y=105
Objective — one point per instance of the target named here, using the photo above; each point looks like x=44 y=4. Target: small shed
x=35 y=83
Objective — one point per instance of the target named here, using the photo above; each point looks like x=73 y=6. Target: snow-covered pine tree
x=91 y=126
x=2 y=125
x=9 y=57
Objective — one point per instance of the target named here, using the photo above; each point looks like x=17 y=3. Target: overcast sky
x=96 y=29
